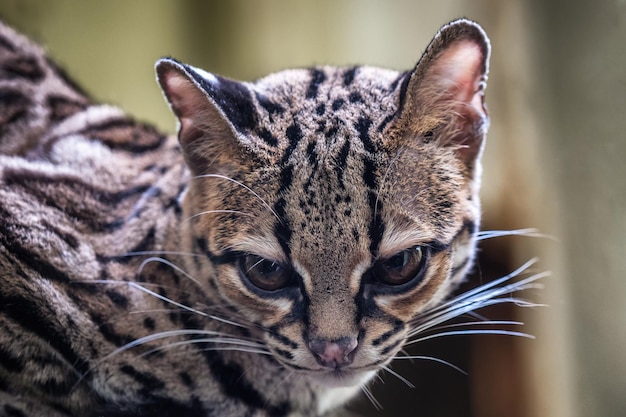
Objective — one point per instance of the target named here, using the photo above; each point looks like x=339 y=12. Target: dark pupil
x=265 y=267
x=398 y=261
x=264 y=273
x=400 y=268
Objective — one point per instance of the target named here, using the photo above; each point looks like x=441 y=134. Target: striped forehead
x=324 y=103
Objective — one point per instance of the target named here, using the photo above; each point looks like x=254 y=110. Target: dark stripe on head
x=348 y=76
x=342 y=162
x=271 y=107
x=268 y=138
x=363 y=126
x=317 y=77
x=294 y=135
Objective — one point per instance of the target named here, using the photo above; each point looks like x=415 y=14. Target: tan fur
x=127 y=246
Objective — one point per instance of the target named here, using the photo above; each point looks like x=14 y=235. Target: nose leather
x=334 y=353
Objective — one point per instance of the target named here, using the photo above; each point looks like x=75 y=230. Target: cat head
x=331 y=206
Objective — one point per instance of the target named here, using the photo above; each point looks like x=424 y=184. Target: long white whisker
x=160 y=252
x=232 y=344
x=167 y=300
x=245 y=187
x=431 y=358
x=489 y=234
x=168 y=263
x=371 y=398
x=470 y=332
x=216 y=211
x=400 y=377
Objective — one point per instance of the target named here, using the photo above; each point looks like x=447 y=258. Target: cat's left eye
x=264 y=273
x=400 y=268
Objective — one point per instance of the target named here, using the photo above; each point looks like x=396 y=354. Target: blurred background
x=555 y=160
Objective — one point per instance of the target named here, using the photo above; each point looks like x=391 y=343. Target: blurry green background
x=555 y=160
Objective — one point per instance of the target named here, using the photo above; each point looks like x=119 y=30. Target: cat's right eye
x=263 y=273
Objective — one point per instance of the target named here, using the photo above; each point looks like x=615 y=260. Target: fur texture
x=268 y=262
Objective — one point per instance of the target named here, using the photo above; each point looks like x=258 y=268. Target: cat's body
x=269 y=266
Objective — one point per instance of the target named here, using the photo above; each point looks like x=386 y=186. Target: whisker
x=233 y=344
x=271 y=393
x=371 y=398
x=432 y=358
x=470 y=332
x=168 y=263
x=160 y=252
x=168 y=300
x=244 y=187
x=216 y=211
x=489 y=234
x=397 y=375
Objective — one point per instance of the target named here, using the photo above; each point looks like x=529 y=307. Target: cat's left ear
x=443 y=97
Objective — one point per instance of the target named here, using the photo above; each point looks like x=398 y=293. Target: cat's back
x=81 y=185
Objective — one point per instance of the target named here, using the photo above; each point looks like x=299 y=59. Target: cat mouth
x=342 y=377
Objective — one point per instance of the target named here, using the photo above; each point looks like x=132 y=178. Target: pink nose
x=334 y=353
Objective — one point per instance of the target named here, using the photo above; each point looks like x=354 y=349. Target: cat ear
x=214 y=113
x=444 y=95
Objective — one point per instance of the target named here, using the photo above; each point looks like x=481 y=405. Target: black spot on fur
x=108 y=331
x=355 y=97
x=384 y=123
x=294 y=135
x=338 y=103
x=317 y=77
x=271 y=107
x=320 y=109
x=348 y=76
x=186 y=379
x=363 y=126
x=117 y=298
x=268 y=138
x=149 y=323
x=146 y=379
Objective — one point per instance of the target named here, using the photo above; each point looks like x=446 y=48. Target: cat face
x=333 y=205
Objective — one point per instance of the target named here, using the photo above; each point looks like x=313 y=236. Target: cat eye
x=400 y=268
x=263 y=273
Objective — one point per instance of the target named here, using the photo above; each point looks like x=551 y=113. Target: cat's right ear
x=213 y=113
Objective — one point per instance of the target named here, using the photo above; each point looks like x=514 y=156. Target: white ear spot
x=212 y=79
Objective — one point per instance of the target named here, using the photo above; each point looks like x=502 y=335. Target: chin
x=342 y=378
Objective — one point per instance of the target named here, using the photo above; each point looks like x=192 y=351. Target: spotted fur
x=122 y=290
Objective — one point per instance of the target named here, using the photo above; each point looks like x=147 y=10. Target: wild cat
x=268 y=261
